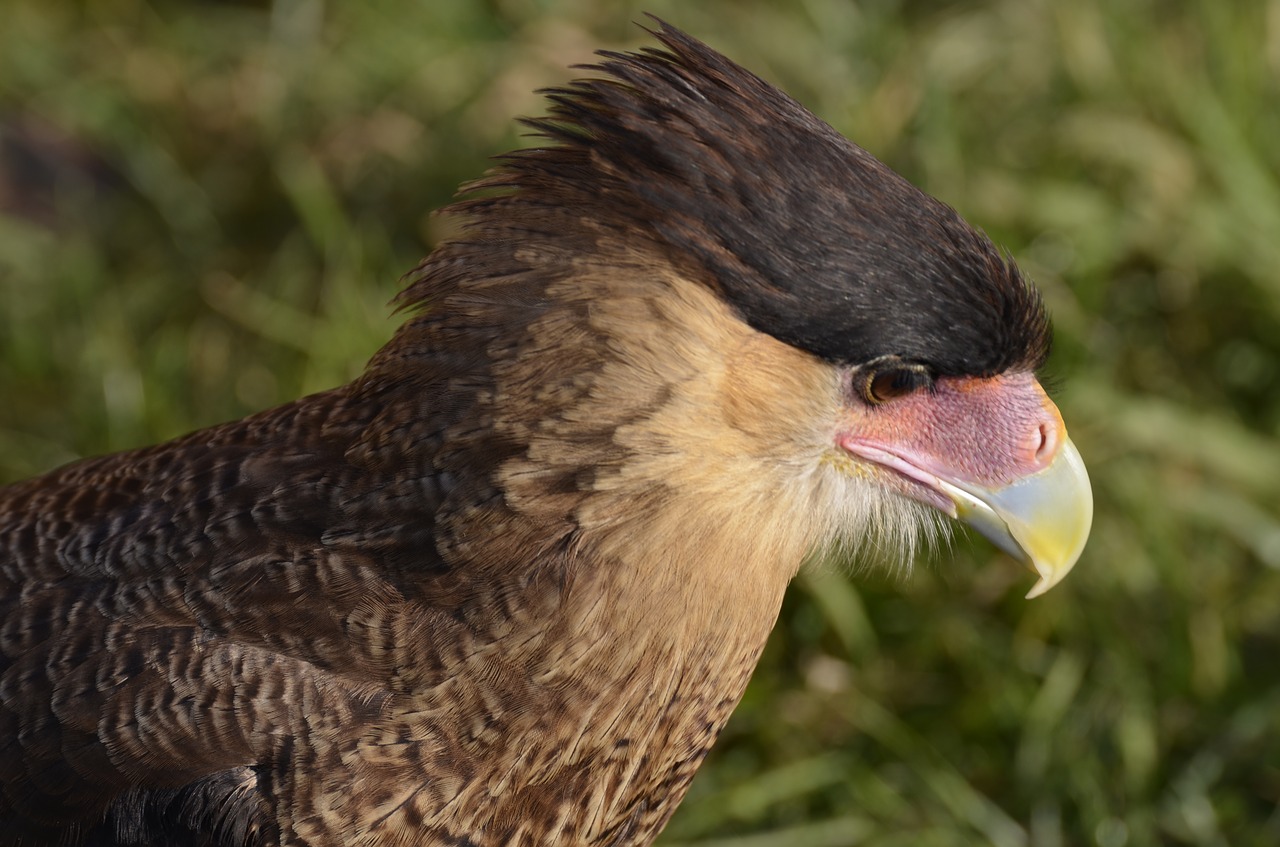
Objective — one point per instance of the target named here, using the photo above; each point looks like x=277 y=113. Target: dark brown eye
x=890 y=382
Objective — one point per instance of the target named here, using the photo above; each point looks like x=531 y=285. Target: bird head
x=803 y=326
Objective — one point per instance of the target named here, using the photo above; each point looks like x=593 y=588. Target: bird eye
x=883 y=384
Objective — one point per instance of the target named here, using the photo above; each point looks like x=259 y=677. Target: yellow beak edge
x=1042 y=520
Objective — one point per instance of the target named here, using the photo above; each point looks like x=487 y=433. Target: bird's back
x=165 y=610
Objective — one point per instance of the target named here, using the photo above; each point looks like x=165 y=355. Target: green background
x=206 y=207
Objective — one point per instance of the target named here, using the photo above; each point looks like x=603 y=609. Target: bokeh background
x=205 y=206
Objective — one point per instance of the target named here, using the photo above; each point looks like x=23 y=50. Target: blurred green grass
x=204 y=208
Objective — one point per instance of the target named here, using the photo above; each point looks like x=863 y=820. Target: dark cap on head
x=811 y=238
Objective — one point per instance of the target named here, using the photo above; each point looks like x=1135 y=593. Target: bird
x=506 y=586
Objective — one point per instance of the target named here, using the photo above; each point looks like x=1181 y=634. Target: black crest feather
x=810 y=237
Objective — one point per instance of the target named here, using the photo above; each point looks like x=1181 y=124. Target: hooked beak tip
x=1043 y=520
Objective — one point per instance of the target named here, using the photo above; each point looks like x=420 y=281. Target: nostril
x=1045 y=445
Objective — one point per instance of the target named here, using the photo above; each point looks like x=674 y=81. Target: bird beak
x=1042 y=520
x=992 y=452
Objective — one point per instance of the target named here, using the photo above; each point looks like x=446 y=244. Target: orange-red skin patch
x=990 y=432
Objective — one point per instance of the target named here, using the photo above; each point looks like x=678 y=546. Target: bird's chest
x=613 y=770
x=595 y=744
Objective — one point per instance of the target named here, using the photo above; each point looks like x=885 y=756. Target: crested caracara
x=506 y=586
